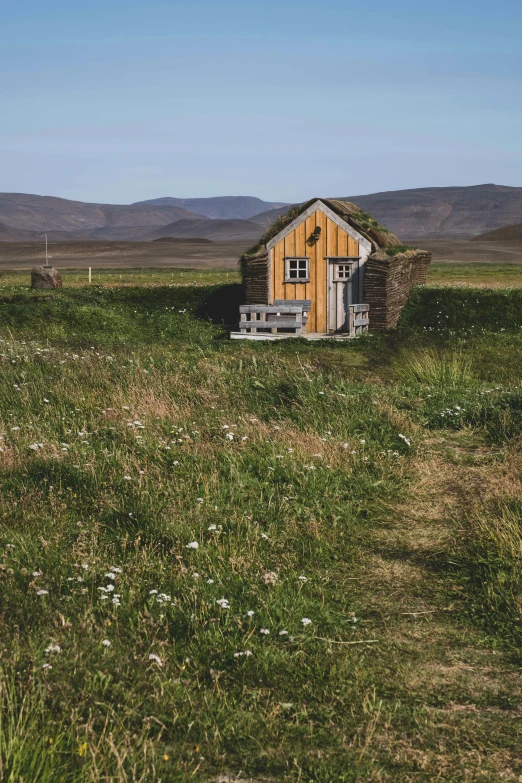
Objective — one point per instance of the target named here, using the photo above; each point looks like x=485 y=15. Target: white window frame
x=350 y=261
x=340 y=278
x=289 y=279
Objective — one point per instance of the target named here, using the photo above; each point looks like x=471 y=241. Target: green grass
x=475 y=274
x=131 y=427
x=14 y=279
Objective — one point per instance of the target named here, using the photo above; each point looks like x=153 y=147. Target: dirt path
x=451 y=708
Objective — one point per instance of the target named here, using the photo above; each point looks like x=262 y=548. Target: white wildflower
x=264 y=631
x=42 y=592
x=53 y=648
x=110 y=575
x=212 y=527
x=283 y=633
x=106 y=643
x=306 y=621
x=154 y=657
x=128 y=478
x=47 y=666
x=250 y=613
x=223 y=603
x=193 y=545
x=303 y=579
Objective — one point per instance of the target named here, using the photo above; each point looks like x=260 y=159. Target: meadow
x=228 y=561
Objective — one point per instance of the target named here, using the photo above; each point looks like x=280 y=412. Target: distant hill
x=459 y=212
x=265 y=219
x=422 y=213
x=221 y=207
x=185 y=240
x=217 y=230
x=10 y=234
x=505 y=234
x=27 y=212
x=435 y=213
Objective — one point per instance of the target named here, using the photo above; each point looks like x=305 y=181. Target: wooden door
x=341 y=292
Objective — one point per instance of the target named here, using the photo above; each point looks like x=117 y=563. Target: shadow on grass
x=221 y=306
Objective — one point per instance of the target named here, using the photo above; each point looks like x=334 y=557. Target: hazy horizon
x=120 y=101
x=250 y=195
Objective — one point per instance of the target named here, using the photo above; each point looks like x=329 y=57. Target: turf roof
x=362 y=222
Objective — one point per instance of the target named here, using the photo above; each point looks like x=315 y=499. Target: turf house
x=326 y=269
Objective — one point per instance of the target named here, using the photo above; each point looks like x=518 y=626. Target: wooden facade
x=333 y=242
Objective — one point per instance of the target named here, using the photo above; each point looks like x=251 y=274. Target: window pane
x=297 y=269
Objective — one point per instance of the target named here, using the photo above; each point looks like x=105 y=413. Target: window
x=343 y=271
x=297 y=270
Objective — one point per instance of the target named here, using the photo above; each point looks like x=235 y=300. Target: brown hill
x=185 y=240
x=10 y=234
x=460 y=212
x=217 y=230
x=430 y=213
x=505 y=234
x=46 y=213
x=219 y=207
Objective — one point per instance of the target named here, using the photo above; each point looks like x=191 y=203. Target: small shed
x=326 y=269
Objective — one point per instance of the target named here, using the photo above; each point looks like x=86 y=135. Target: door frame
x=352 y=281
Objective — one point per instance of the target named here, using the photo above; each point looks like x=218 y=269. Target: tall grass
x=490 y=551
x=434 y=367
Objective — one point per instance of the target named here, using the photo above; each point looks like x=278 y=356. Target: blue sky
x=121 y=101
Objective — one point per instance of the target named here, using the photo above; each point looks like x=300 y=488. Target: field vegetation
x=268 y=562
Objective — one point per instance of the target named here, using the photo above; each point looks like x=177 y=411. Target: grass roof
x=361 y=221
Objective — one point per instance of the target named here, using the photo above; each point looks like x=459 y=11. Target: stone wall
x=388 y=280
x=255 y=278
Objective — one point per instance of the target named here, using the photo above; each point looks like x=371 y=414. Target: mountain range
x=430 y=213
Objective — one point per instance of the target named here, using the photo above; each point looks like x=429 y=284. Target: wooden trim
x=334 y=217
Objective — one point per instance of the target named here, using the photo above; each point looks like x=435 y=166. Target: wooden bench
x=272 y=319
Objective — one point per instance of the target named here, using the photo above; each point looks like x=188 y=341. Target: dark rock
x=45 y=277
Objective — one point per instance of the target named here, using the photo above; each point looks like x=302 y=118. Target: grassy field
x=282 y=562
x=146 y=276
x=476 y=275
x=440 y=273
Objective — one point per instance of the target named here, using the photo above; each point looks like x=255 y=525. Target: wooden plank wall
x=334 y=241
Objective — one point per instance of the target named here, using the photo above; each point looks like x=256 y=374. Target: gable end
x=319 y=205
